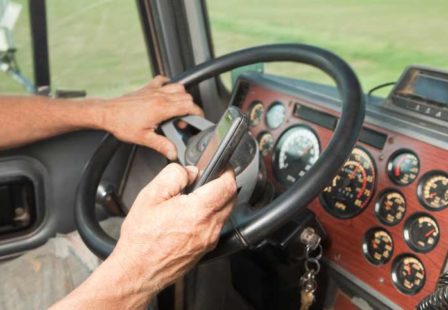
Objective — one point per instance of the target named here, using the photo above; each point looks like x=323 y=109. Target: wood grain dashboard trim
x=344 y=246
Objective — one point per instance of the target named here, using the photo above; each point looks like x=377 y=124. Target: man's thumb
x=170 y=182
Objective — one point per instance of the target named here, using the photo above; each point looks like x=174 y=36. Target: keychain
x=308 y=283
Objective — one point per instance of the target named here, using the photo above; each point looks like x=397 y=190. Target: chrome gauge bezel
x=379 y=204
x=395 y=279
x=252 y=106
x=265 y=152
x=366 y=246
x=390 y=166
x=407 y=233
x=330 y=209
x=269 y=110
x=421 y=188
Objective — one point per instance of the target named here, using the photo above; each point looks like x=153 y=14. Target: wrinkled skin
x=132 y=118
x=164 y=235
x=149 y=106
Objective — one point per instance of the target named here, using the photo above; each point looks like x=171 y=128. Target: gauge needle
x=352 y=175
x=364 y=184
x=388 y=205
x=306 y=150
x=398 y=167
x=429 y=233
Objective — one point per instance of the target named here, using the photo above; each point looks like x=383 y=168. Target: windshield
x=379 y=38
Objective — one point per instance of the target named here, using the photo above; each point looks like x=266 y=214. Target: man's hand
x=171 y=231
x=163 y=236
x=135 y=116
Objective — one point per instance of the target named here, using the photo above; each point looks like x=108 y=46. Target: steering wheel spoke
x=174 y=134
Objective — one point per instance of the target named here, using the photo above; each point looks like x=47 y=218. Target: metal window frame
x=178 y=37
x=39 y=38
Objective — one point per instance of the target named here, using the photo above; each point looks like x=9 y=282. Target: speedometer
x=295 y=153
x=352 y=189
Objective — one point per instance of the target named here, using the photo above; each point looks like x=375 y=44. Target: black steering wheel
x=250 y=226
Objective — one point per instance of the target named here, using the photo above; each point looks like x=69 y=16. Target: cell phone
x=215 y=157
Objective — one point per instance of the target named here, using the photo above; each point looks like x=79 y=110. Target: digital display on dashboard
x=431 y=88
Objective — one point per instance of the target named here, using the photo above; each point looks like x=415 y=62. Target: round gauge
x=378 y=246
x=256 y=113
x=408 y=274
x=433 y=190
x=421 y=232
x=403 y=167
x=295 y=153
x=352 y=188
x=265 y=143
x=390 y=208
x=276 y=115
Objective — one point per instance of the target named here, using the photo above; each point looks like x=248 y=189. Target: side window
x=16 y=67
x=96 y=46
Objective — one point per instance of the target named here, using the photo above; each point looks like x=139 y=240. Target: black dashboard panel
x=53 y=167
x=377 y=193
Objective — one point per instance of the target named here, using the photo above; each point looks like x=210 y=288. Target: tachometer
x=295 y=153
x=433 y=190
x=352 y=189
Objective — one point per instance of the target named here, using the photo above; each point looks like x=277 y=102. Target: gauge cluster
x=386 y=211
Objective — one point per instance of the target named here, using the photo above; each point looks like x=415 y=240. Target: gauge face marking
x=433 y=190
x=390 y=208
x=256 y=112
x=296 y=152
x=352 y=189
x=403 y=167
x=421 y=232
x=408 y=274
x=265 y=143
x=378 y=246
x=276 y=115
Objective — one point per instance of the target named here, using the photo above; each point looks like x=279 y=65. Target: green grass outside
x=379 y=38
x=98 y=45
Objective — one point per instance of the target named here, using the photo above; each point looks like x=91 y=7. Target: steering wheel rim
x=250 y=226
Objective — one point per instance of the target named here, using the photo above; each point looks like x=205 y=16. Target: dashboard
x=386 y=212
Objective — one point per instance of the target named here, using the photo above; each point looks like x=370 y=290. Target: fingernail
x=193 y=169
x=172 y=155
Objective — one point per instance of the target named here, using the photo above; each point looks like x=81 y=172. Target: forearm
x=28 y=119
x=114 y=285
